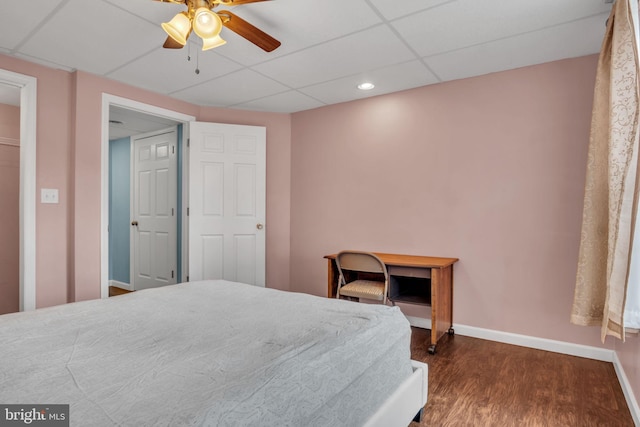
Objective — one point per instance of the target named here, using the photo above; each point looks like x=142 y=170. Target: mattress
x=210 y=353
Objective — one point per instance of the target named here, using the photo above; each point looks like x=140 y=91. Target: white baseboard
x=522 y=340
x=579 y=350
x=632 y=402
x=538 y=343
x=121 y=285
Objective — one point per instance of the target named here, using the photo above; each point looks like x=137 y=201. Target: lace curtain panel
x=632 y=303
x=611 y=190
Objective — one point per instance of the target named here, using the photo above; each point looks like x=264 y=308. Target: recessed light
x=366 y=86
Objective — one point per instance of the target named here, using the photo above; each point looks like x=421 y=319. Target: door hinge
x=187 y=278
x=171 y=211
x=173 y=149
x=188 y=142
x=172 y=274
x=187 y=211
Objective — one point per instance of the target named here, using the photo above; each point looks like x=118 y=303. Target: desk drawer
x=424 y=273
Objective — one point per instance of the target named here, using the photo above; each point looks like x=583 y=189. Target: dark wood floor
x=474 y=382
x=115 y=291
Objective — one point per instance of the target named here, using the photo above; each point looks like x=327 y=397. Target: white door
x=227 y=198
x=154 y=209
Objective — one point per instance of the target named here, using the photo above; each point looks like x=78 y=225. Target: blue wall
x=119 y=209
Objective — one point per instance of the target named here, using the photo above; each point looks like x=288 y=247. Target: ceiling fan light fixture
x=212 y=42
x=178 y=28
x=202 y=18
x=206 y=23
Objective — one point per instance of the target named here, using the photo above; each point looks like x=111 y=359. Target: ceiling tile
x=466 y=23
x=18 y=21
x=325 y=44
x=390 y=79
x=574 y=39
x=373 y=48
x=88 y=46
x=155 y=12
x=169 y=70
x=296 y=24
x=232 y=89
x=396 y=9
x=287 y=102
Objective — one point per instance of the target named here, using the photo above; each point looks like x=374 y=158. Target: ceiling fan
x=207 y=24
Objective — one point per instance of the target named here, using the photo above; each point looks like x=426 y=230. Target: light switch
x=48 y=195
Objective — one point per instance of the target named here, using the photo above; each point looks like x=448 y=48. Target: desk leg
x=332 y=281
x=441 y=304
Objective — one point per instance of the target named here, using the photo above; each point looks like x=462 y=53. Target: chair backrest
x=360 y=261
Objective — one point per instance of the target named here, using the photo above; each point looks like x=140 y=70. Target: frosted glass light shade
x=178 y=28
x=206 y=23
x=212 y=42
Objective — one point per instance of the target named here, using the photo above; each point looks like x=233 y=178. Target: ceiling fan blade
x=172 y=1
x=170 y=43
x=241 y=27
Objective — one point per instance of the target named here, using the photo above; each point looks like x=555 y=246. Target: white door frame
x=107 y=101
x=28 y=124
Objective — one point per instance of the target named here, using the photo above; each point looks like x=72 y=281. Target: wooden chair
x=362 y=262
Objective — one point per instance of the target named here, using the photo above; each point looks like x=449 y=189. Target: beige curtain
x=611 y=190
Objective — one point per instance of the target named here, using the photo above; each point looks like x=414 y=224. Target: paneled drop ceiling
x=328 y=46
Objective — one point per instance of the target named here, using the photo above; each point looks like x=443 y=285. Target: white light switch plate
x=48 y=195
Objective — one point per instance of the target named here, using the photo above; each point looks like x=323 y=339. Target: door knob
x=134 y=223
x=259 y=226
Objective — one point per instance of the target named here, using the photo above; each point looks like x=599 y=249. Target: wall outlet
x=48 y=195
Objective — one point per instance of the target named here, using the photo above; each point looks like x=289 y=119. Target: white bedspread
x=211 y=353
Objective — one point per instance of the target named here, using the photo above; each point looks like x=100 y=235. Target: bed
x=214 y=353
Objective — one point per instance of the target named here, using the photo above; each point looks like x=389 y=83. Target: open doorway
x=144 y=201
x=123 y=120
x=10 y=196
x=27 y=89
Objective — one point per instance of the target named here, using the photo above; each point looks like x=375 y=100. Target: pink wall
x=9 y=208
x=10 y=121
x=489 y=170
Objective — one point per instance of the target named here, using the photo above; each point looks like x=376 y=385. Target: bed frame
x=406 y=403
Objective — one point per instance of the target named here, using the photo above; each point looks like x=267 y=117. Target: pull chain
x=197 y=70
x=197 y=62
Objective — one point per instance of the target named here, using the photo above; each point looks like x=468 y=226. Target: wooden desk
x=415 y=280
